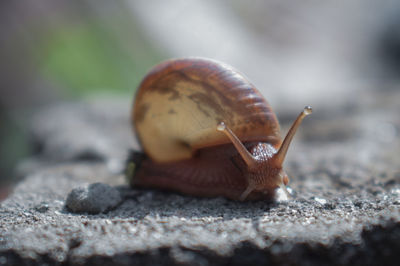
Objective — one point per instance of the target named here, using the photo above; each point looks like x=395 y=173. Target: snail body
x=206 y=130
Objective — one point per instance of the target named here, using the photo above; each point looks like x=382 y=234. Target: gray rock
x=42 y=207
x=345 y=208
x=94 y=198
x=97 y=130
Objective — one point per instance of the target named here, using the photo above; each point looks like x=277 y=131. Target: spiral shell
x=180 y=103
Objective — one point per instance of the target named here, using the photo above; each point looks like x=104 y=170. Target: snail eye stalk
x=279 y=157
x=246 y=155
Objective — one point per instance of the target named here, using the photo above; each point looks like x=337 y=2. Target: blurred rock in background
x=334 y=55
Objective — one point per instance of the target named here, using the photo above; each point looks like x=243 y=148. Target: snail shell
x=180 y=102
x=177 y=109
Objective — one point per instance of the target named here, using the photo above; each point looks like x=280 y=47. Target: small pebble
x=320 y=200
x=94 y=198
x=42 y=207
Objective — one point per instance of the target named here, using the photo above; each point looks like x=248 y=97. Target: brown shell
x=180 y=102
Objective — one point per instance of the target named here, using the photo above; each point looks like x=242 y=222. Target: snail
x=205 y=130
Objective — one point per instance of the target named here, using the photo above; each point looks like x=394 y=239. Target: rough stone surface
x=345 y=208
x=93 y=198
x=77 y=132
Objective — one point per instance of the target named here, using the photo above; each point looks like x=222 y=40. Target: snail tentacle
x=245 y=193
x=281 y=154
x=246 y=155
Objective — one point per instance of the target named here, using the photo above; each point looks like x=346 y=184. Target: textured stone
x=345 y=207
x=93 y=198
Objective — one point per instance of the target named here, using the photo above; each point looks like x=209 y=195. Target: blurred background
x=331 y=54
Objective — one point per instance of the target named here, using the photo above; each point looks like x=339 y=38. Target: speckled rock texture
x=345 y=208
x=93 y=198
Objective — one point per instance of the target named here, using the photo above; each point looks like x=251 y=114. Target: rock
x=42 y=207
x=345 y=208
x=81 y=132
x=94 y=198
